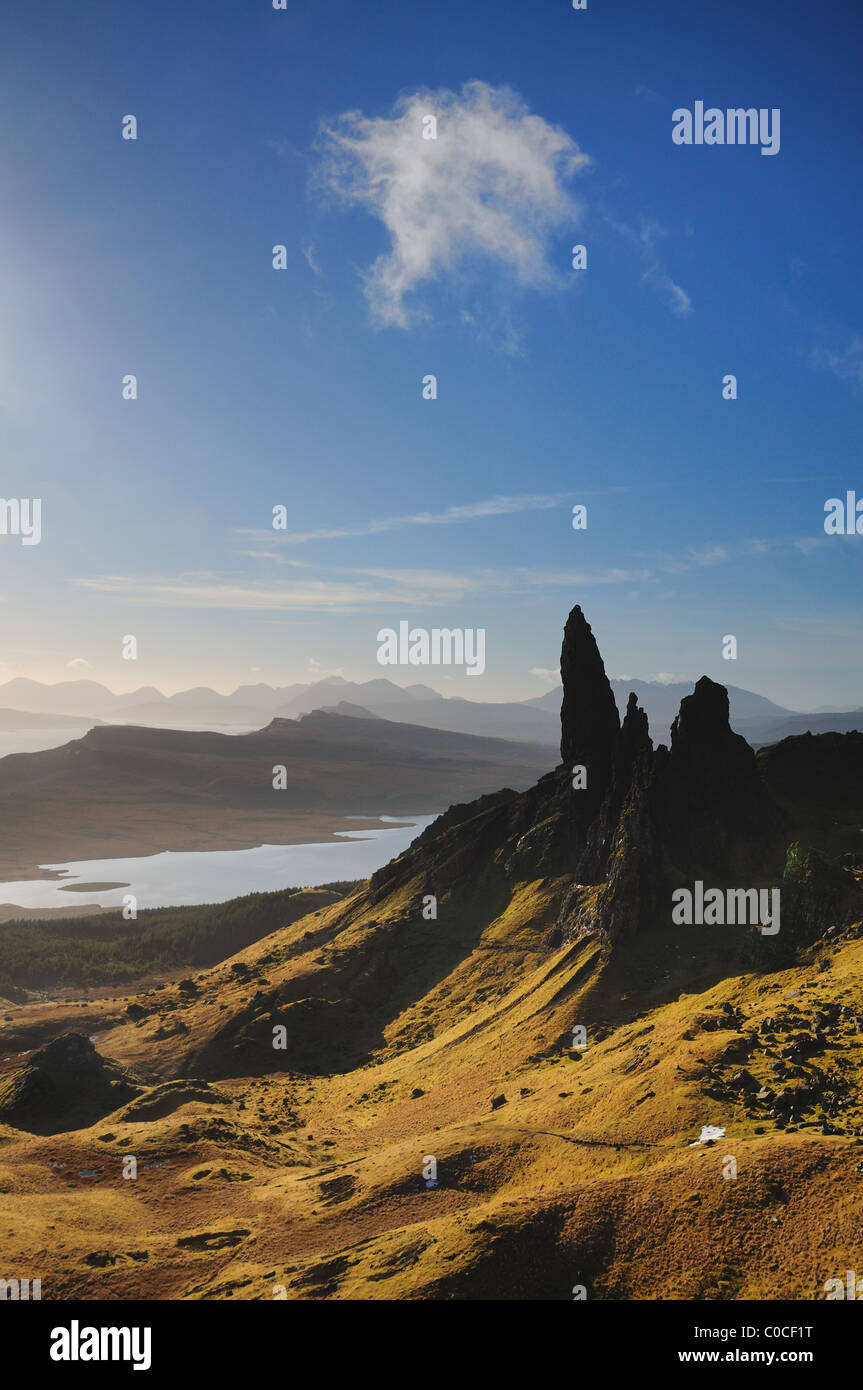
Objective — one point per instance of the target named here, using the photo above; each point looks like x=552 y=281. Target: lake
x=214 y=876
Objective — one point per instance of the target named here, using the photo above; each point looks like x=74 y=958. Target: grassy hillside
x=301 y=1170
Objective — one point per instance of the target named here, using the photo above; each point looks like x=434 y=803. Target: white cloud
x=309 y=253
x=566 y=579
x=308 y=595
x=78 y=664
x=645 y=237
x=699 y=559
x=678 y=300
x=352 y=593
x=491 y=184
x=709 y=555
x=546 y=673
x=472 y=511
x=806 y=544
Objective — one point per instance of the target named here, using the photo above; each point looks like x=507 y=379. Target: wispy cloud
x=806 y=544
x=350 y=591
x=491 y=184
x=695 y=559
x=676 y=297
x=368 y=588
x=566 y=579
x=304 y=596
x=471 y=511
x=645 y=237
x=309 y=254
x=709 y=555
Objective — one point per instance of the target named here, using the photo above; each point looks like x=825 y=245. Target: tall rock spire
x=589 y=721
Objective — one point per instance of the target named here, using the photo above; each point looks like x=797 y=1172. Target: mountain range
x=535 y=720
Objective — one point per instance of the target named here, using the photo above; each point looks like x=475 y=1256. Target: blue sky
x=302 y=386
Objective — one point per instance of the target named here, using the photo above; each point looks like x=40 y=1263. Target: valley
x=296 y=1170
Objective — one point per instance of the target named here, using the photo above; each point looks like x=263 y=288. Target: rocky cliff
x=643 y=822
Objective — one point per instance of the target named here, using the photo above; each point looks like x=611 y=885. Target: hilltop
x=124 y=790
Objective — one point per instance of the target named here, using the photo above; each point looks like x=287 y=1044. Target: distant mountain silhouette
x=661 y=701
x=352 y=711
x=535 y=720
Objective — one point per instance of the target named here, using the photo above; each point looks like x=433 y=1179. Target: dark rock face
x=65 y=1085
x=820 y=897
x=650 y=820
x=70 y=1053
x=819 y=777
x=632 y=891
x=717 y=816
x=632 y=744
x=634 y=738
x=705 y=748
x=548 y=828
x=459 y=841
x=589 y=721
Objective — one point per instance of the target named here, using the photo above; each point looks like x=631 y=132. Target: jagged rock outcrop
x=589 y=721
x=632 y=744
x=698 y=810
x=551 y=822
x=65 y=1085
x=648 y=821
x=631 y=893
x=716 y=815
x=820 y=897
x=464 y=837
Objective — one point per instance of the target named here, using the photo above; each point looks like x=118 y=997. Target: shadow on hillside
x=335 y=1016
